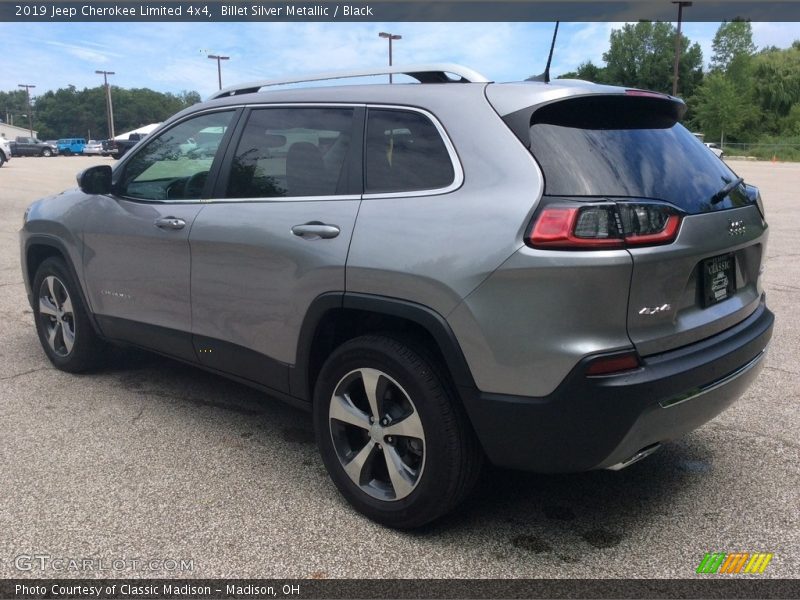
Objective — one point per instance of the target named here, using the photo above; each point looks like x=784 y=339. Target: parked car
x=569 y=293
x=30 y=146
x=93 y=147
x=71 y=146
x=715 y=149
x=5 y=151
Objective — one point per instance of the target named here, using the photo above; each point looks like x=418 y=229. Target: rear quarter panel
x=435 y=249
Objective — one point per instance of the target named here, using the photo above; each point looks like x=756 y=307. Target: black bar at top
x=396 y=11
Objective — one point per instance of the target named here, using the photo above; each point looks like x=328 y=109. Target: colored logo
x=739 y=562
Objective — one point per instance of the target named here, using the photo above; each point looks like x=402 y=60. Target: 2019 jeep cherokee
x=553 y=276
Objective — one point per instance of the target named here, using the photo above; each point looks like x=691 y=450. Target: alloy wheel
x=377 y=434
x=56 y=315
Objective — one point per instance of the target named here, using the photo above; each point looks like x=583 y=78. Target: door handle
x=170 y=223
x=315 y=229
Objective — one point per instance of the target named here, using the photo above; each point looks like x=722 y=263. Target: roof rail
x=433 y=73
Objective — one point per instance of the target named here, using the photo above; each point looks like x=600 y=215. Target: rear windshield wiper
x=720 y=195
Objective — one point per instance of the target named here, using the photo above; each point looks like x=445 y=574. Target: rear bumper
x=600 y=422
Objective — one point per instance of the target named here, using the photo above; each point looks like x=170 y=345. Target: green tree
x=71 y=112
x=642 y=55
x=719 y=108
x=732 y=42
x=790 y=125
x=588 y=71
x=776 y=79
x=13 y=105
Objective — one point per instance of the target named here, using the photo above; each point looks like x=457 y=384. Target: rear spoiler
x=627 y=110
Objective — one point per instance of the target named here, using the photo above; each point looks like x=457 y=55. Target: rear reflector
x=604 y=226
x=609 y=365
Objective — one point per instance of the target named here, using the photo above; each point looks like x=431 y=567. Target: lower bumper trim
x=696 y=393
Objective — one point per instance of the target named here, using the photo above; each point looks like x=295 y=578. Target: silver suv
x=552 y=276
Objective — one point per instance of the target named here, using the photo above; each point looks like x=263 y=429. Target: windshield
x=620 y=146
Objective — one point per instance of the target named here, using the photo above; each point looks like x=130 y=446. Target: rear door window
x=627 y=146
x=404 y=152
x=291 y=152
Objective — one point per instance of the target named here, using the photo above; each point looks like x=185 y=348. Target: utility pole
x=109 y=105
x=28 y=87
x=219 y=60
x=390 y=37
x=678 y=47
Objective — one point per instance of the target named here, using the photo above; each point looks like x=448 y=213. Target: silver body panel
x=253 y=279
x=133 y=269
x=530 y=323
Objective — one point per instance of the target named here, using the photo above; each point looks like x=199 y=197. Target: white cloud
x=84 y=53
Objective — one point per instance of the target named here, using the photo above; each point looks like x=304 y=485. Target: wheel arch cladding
x=40 y=248
x=337 y=317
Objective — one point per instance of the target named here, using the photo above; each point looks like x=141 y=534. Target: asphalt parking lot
x=153 y=460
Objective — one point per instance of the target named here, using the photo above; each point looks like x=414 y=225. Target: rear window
x=627 y=146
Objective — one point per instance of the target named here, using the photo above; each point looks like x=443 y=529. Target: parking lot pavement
x=151 y=459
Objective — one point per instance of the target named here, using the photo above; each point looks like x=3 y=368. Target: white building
x=10 y=132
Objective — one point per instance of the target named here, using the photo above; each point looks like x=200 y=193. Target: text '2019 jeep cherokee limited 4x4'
x=554 y=276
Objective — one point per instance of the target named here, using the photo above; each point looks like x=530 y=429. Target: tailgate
x=703 y=283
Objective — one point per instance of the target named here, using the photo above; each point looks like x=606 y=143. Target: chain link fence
x=764 y=150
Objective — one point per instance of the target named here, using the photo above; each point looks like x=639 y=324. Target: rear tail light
x=604 y=226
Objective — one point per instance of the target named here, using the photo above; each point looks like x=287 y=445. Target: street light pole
x=678 y=47
x=219 y=60
x=28 y=87
x=109 y=105
x=390 y=37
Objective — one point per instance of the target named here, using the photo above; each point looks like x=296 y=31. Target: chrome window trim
x=458 y=171
x=276 y=199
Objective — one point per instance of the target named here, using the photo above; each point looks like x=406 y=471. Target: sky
x=172 y=57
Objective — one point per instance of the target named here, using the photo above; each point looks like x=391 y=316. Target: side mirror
x=95 y=180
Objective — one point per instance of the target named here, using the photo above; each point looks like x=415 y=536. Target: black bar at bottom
x=711 y=586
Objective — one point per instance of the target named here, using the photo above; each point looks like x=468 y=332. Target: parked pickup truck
x=118 y=148
x=29 y=146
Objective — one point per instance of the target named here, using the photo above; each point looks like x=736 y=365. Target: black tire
x=2 y=159
x=450 y=459
x=47 y=152
x=67 y=152
x=86 y=350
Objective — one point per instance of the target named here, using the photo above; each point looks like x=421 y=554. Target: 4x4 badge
x=647 y=310
x=736 y=228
